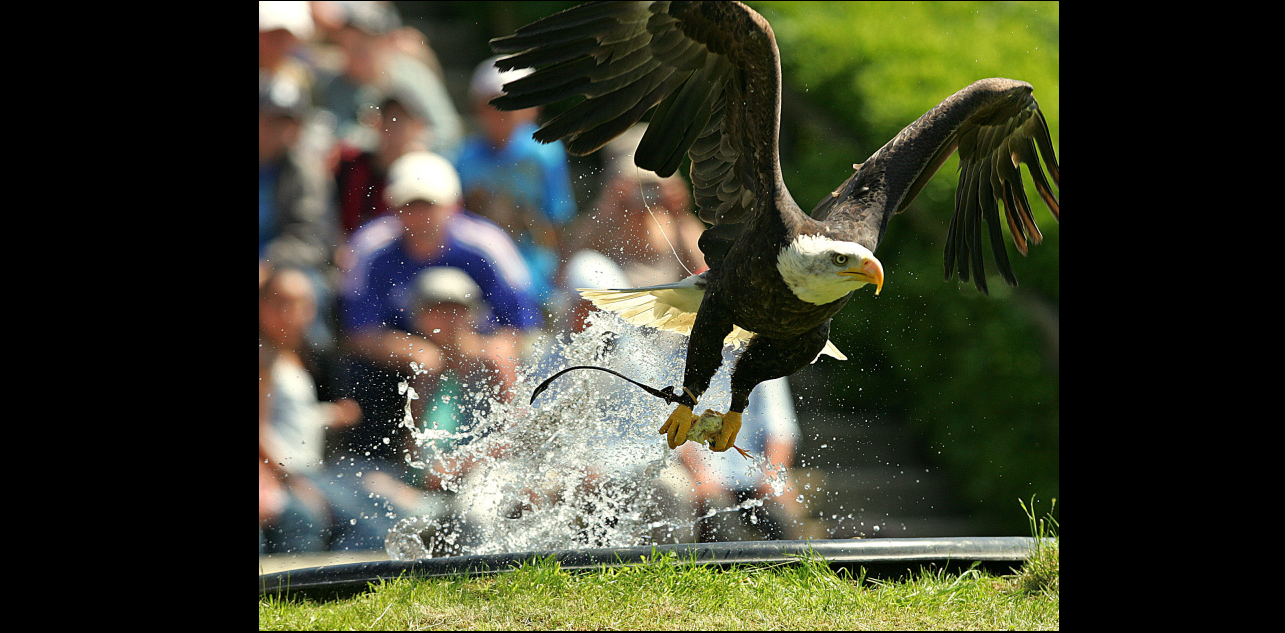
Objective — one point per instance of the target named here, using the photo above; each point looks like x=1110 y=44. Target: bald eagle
x=777 y=275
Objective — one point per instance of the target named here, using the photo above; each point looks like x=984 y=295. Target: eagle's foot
x=679 y=422
x=714 y=429
x=726 y=437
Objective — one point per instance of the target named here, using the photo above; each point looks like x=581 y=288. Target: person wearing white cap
x=446 y=302
x=282 y=26
x=432 y=230
x=509 y=178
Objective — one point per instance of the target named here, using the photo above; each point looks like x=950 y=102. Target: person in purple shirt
x=430 y=229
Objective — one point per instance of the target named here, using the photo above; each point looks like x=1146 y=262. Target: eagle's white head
x=820 y=270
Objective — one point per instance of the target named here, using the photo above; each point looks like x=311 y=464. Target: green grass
x=663 y=594
x=1041 y=572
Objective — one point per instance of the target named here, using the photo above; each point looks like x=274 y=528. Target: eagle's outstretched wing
x=995 y=124
x=712 y=68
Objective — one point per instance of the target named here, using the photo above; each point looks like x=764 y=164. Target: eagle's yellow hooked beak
x=868 y=270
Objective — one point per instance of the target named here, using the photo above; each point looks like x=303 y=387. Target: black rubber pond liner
x=887 y=557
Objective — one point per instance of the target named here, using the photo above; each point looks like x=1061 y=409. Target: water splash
x=582 y=467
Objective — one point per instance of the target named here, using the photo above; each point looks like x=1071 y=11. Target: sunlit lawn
x=665 y=594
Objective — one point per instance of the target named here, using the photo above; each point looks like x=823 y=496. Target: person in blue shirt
x=508 y=177
x=431 y=229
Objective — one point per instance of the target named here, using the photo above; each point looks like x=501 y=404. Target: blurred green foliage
x=977 y=375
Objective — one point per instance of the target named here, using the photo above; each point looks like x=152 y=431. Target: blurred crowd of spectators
x=406 y=238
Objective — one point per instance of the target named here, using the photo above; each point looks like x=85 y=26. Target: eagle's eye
x=839 y=259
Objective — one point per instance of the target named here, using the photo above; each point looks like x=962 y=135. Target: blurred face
x=363 y=54
x=274 y=46
x=277 y=134
x=635 y=227
x=422 y=218
x=399 y=128
x=287 y=308
x=498 y=125
x=641 y=196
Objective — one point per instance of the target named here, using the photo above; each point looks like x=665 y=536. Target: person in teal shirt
x=514 y=181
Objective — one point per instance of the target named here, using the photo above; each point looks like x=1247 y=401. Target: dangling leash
x=667 y=394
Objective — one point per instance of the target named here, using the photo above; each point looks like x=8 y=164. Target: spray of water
x=582 y=467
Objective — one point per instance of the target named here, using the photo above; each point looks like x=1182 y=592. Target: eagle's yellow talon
x=727 y=435
x=679 y=422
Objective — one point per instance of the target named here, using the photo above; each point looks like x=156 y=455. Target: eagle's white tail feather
x=830 y=350
x=670 y=307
